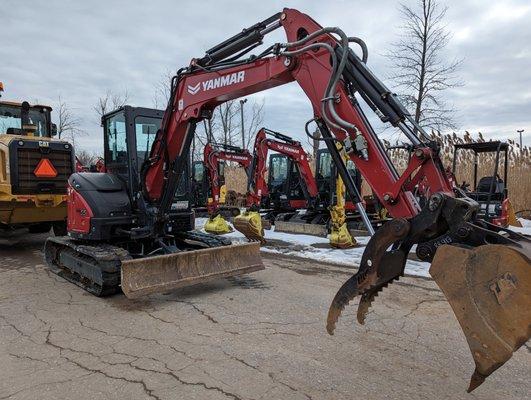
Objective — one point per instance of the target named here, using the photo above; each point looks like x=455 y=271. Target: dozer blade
x=217 y=225
x=301 y=228
x=489 y=290
x=250 y=224
x=159 y=274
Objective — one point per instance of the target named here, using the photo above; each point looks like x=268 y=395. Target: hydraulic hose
x=336 y=74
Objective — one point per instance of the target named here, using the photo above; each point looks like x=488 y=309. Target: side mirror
x=54 y=129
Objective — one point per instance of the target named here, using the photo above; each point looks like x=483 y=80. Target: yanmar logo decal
x=240 y=158
x=288 y=149
x=194 y=89
x=222 y=81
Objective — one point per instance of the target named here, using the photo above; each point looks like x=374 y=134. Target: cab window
x=199 y=171
x=10 y=117
x=145 y=129
x=351 y=168
x=279 y=168
x=116 y=139
x=325 y=165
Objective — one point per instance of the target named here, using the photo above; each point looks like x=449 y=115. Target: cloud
x=80 y=50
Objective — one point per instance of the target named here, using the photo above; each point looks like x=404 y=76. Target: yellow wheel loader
x=34 y=170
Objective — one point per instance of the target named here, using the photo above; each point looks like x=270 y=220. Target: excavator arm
x=335 y=80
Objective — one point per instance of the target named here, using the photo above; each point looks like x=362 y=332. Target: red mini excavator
x=250 y=222
x=214 y=158
x=127 y=225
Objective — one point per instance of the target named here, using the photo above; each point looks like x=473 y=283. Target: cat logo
x=44 y=143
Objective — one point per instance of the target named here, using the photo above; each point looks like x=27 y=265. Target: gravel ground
x=257 y=337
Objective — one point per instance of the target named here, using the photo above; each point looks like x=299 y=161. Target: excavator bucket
x=340 y=238
x=250 y=224
x=217 y=225
x=160 y=274
x=489 y=290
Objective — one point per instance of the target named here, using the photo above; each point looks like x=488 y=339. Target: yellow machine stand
x=340 y=237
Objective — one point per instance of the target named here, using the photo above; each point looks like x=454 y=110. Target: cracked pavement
x=261 y=336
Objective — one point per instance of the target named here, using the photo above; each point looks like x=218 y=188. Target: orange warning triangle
x=45 y=169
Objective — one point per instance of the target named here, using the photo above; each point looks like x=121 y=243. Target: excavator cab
x=200 y=191
x=326 y=175
x=126 y=148
x=284 y=185
x=108 y=208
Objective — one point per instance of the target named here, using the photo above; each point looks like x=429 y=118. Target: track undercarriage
x=103 y=269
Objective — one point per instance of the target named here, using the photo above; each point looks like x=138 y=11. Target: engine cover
x=97 y=203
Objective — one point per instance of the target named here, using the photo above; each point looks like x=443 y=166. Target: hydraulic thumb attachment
x=484 y=272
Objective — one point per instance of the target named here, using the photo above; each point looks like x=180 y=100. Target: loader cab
x=129 y=133
x=26 y=120
x=489 y=183
x=284 y=184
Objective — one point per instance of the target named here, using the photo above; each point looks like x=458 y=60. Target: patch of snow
x=314 y=248
x=525 y=229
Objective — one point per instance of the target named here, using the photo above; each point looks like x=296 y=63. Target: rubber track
x=85 y=263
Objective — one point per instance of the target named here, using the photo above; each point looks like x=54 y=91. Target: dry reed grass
x=519 y=174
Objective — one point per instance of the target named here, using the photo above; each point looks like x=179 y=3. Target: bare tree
x=68 y=125
x=252 y=122
x=163 y=90
x=86 y=158
x=422 y=73
x=225 y=126
x=111 y=101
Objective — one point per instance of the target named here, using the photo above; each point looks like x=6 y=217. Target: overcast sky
x=80 y=49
